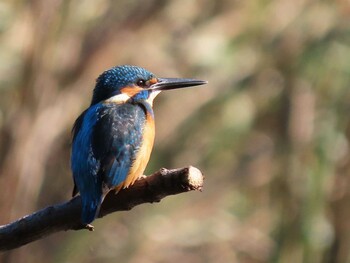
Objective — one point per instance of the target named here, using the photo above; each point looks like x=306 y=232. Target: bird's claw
x=141 y=177
x=89 y=227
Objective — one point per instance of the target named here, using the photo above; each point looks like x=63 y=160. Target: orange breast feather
x=143 y=154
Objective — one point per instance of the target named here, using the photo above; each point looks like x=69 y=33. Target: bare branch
x=66 y=216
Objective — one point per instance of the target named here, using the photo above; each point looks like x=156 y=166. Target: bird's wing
x=116 y=138
x=76 y=128
x=105 y=141
x=85 y=165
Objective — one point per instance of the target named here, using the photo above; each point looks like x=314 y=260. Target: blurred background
x=270 y=131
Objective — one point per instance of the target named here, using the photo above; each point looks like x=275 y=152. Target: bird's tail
x=90 y=208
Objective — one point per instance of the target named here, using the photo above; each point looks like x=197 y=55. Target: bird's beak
x=175 y=83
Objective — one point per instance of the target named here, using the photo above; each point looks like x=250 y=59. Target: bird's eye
x=141 y=83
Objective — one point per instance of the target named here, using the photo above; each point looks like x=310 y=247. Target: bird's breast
x=144 y=152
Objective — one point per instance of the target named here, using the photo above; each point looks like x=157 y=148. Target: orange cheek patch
x=131 y=91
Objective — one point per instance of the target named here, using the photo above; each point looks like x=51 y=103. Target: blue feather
x=85 y=166
x=116 y=139
x=106 y=140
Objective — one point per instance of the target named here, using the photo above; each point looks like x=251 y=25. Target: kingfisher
x=113 y=138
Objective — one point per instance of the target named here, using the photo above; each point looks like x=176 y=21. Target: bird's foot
x=141 y=177
x=89 y=227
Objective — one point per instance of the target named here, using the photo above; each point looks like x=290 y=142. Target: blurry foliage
x=270 y=131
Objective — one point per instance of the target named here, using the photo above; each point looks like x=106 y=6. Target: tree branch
x=66 y=216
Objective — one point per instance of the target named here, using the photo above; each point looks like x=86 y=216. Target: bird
x=113 y=138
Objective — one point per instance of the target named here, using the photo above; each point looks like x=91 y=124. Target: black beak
x=175 y=83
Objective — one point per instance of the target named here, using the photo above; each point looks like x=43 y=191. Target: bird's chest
x=143 y=153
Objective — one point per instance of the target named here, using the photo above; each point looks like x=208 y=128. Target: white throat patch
x=123 y=97
x=152 y=96
x=120 y=98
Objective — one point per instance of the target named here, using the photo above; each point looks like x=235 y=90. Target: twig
x=66 y=216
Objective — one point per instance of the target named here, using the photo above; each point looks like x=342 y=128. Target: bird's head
x=123 y=83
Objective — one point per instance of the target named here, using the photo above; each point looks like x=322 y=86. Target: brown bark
x=66 y=216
